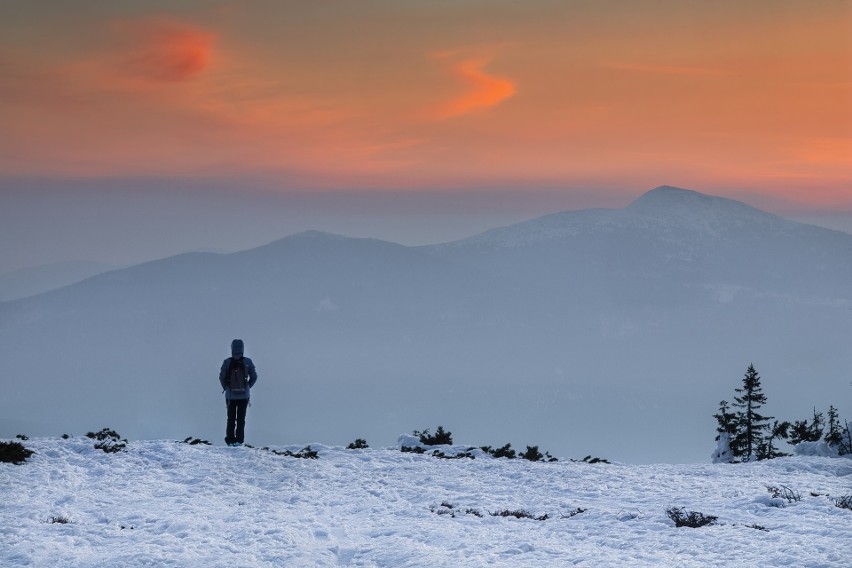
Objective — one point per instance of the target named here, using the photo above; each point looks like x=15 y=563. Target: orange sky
x=715 y=96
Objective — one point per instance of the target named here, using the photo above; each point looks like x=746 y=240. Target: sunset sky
x=395 y=114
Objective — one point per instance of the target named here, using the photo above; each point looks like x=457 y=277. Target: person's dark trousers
x=236 y=419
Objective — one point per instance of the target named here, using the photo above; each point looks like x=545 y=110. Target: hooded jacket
x=250 y=372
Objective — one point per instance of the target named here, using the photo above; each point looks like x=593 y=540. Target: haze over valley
x=612 y=332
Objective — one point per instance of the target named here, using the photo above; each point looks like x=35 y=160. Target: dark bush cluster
x=304 y=453
x=449 y=509
x=22 y=437
x=438 y=453
x=590 y=459
x=504 y=452
x=60 y=520
x=519 y=514
x=458 y=456
x=532 y=453
x=692 y=519
x=196 y=441
x=441 y=437
x=358 y=444
x=109 y=441
x=14 y=452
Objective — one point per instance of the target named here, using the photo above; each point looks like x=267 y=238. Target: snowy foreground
x=165 y=503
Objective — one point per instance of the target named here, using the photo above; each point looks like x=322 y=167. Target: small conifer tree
x=751 y=425
x=767 y=450
x=801 y=431
x=834 y=435
x=727 y=420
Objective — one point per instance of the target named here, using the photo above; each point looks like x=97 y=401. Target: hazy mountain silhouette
x=34 y=280
x=584 y=332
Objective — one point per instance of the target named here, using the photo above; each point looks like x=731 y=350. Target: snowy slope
x=163 y=503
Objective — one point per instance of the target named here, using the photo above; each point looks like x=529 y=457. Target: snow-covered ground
x=165 y=503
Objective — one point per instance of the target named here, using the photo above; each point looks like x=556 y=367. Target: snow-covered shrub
x=60 y=520
x=587 y=459
x=441 y=437
x=108 y=441
x=450 y=510
x=305 y=453
x=722 y=453
x=456 y=456
x=359 y=444
x=504 y=452
x=692 y=519
x=532 y=454
x=196 y=441
x=785 y=493
x=14 y=452
x=844 y=502
x=519 y=514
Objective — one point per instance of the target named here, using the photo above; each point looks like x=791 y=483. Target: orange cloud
x=667 y=69
x=483 y=90
x=160 y=50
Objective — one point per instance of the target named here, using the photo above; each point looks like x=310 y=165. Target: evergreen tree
x=801 y=431
x=766 y=450
x=845 y=447
x=817 y=426
x=727 y=421
x=751 y=425
x=834 y=436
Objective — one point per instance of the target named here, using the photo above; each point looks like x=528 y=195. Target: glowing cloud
x=484 y=90
x=165 y=50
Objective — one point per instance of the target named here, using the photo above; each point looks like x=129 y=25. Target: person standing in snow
x=237 y=376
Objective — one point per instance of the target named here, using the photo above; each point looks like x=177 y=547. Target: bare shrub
x=784 y=492
x=692 y=519
x=844 y=502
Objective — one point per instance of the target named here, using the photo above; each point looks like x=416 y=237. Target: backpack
x=237 y=377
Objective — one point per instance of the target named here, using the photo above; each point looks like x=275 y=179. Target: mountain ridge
x=541 y=335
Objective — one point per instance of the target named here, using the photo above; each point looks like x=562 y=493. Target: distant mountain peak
x=670 y=196
x=677 y=199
